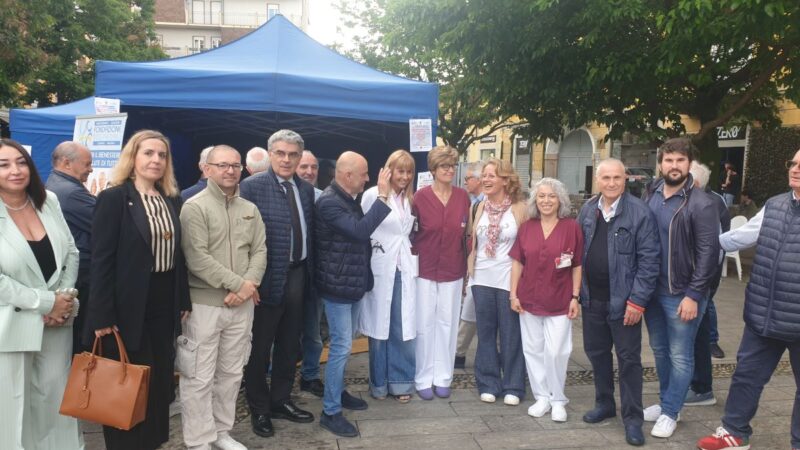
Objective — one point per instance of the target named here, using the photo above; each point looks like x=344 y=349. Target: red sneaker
x=722 y=440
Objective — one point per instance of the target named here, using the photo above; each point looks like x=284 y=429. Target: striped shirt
x=162 y=232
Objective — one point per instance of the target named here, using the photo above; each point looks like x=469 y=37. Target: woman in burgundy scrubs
x=545 y=282
x=442 y=212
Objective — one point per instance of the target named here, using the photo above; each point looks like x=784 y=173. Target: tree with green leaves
x=465 y=112
x=48 y=47
x=632 y=65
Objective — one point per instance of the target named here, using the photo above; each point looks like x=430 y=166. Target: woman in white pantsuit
x=38 y=257
x=545 y=281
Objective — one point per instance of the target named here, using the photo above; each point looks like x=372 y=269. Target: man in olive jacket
x=226 y=257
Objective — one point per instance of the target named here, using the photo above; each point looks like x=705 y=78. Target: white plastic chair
x=736 y=222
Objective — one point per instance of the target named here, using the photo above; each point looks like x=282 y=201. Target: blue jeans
x=672 y=341
x=494 y=315
x=342 y=318
x=311 y=341
x=392 y=361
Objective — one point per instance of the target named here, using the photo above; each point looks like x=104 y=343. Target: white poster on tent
x=420 y=133
x=102 y=135
x=106 y=105
x=424 y=179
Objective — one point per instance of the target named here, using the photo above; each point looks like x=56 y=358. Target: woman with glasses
x=139 y=281
x=442 y=212
x=545 y=283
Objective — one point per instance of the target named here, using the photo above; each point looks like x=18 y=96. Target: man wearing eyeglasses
x=226 y=257
x=286 y=204
x=771 y=306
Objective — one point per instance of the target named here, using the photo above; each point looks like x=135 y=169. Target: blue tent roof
x=58 y=119
x=278 y=68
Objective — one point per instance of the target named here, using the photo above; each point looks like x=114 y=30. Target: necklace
x=20 y=208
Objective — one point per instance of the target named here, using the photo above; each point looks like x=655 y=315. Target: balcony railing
x=251 y=20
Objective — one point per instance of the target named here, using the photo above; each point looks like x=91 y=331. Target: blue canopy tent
x=275 y=77
x=44 y=128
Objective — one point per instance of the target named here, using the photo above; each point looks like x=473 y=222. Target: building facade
x=186 y=27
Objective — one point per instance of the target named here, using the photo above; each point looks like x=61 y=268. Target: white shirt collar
x=613 y=211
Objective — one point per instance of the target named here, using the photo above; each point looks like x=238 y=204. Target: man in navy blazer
x=286 y=204
x=72 y=164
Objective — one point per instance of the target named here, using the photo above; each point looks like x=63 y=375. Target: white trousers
x=438 y=307
x=547 y=344
x=208 y=400
x=31 y=388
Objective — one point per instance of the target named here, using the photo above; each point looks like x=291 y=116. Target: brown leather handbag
x=106 y=391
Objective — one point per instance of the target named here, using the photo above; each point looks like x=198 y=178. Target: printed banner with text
x=102 y=135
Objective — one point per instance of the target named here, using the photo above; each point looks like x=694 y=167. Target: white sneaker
x=226 y=442
x=664 y=427
x=199 y=447
x=559 y=413
x=511 y=400
x=540 y=408
x=489 y=398
x=652 y=413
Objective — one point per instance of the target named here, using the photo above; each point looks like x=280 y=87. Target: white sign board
x=420 y=135
x=106 y=105
x=102 y=135
x=424 y=179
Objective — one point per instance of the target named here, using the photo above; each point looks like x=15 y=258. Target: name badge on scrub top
x=565 y=260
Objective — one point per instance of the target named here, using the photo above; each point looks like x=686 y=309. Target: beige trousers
x=208 y=399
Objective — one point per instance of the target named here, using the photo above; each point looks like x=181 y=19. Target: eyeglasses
x=225 y=166
x=446 y=167
x=467 y=178
x=791 y=164
x=283 y=155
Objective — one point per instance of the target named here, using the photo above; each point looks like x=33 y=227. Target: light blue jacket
x=25 y=296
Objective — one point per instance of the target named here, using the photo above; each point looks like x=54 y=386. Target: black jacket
x=693 y=241
x=122 y=261
x=269 y=197
x=343 y=244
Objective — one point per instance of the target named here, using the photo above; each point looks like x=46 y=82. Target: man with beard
x=688 y=226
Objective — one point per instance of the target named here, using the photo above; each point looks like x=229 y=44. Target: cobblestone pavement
x=463 y=422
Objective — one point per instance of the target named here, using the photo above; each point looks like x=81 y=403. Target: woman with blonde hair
x=494 y=230
x=139 y=283
x=545 y=284
x=387 y=311
x=442 y=212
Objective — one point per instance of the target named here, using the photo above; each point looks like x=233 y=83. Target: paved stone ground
x=463 y=422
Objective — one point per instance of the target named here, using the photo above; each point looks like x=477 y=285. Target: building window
x=198 y=44
x=216 y=41
x=487 y=153
x=216 y=12
x=198 y=11
x=272 y=10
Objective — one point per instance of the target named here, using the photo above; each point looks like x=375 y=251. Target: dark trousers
x=155 y=350
x=84 y=295
x=280 y=325
x=757 y=359
x=600 y=334
x=702 y=381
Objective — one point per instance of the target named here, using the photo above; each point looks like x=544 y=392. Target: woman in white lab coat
x=388 y=312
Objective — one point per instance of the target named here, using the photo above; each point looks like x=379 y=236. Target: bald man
x=344 y=275
x=621 y=263
x=72 y=164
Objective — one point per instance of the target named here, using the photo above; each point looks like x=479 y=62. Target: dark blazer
x=77 y=204
x=343 y=268
x=264 y=190
x=122 y=262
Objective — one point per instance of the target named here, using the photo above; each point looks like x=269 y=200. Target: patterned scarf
x=495 y=213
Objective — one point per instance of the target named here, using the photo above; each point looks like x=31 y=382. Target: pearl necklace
x=20 y=208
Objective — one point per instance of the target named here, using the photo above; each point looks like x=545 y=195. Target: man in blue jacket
x=771 y=308
x=286 y=203
x=72 y=164
x=687 y=220
x=620 y=263
x=344 y=275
